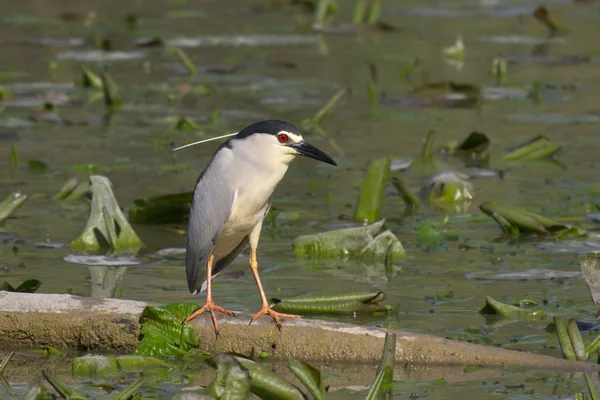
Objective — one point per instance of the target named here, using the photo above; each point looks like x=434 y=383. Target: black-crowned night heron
x=231 y=199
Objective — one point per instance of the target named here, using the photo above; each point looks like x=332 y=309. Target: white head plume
x=204 y=141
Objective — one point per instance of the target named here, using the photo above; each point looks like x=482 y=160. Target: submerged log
x=112 y=325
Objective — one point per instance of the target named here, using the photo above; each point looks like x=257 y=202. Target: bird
x=231 y=199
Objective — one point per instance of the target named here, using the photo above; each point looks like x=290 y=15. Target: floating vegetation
x=233 y=381
x=185 y=60
x=171 y=208
x=112 y=101
x=522 y=309
x=370 y=200
x=29 y=286
x=72 y=190
x=457 y=50
x=5 y=361
x=366 y=17
x=543 y=15
x=499 y=69
x=107 y=227
x=331 y=304
x=165 y=332
x=90 y=79
x=516 y=220
x=428 y=163
x=62 y=388
x=474 y=146
x=384 y=376
x=351 y=242
x=447 y=187
x=407 y=195
x=538 y=148
x=315 y=122
x=11 y=204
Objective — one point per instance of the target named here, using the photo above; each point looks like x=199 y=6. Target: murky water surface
x=265 y=63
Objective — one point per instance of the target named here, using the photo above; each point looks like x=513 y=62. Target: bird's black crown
x=270 y=127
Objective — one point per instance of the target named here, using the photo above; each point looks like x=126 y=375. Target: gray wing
x=211 y=206
x=225 y=261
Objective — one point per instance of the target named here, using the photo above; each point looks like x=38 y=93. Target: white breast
x=254 y=181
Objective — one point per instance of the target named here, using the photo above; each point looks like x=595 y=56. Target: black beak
x=308 y=150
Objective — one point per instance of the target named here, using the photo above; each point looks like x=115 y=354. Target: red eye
x=282 y=137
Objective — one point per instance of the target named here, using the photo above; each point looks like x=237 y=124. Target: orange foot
x=266 y=310
x=211 y=308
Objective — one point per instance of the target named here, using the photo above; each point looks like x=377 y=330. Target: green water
x=284 y=71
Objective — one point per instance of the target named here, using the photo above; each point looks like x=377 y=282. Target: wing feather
x=211 y=206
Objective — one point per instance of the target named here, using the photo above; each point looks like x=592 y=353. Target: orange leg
x=266 y=309
x=210 y=304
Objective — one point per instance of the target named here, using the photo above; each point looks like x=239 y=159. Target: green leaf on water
x=476 y=143
x=164 y=332
x=563 y=339
x=309 y=376
x=592 y=347
x=129 y=392
x=170 y=208
x=332 y=304
x=574 y=232
x=325 y=10
x=5 y=361
x=97 y=233
x=370 y=200
x=450 y=187
x=328 y=107
x=428 y=236
x=112 y=101
x=376 y=387
x=385 y=371
x=90 y=79
x=407 y=195
x=428 y=164
x=37 y=391
x=186 y=124
x=232 y=381
x=576 y=340
x=14 y=156
x=49 y=352
x=29 y=286
x=66 y=189
x=385 y=247
x=496 y=308
x=537 y=148
x=37 y=166
x=136 y=363
x=63 y=390
x=5 y=94
x=514 y=220
x=185 y=60
x=543 y=16
x=388 y=360
x=472 y=368
x=591 y=387
x=268 y=385
x=337 y=243
x=92 y=365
